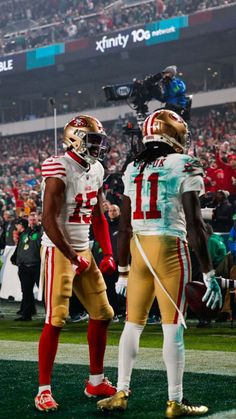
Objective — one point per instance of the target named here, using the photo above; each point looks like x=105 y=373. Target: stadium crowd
x=213 y=141
x=45 y=22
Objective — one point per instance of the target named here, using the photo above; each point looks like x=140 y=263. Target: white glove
x=213 y=295
x=121 y=285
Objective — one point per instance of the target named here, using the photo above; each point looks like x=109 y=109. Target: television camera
x=140 y=92
x=137 y=93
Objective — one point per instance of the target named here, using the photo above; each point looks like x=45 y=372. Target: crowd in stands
x=35 y=24
x=213 y=141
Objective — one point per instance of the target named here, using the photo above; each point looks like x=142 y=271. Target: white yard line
x=209 y=362
x=230 y=414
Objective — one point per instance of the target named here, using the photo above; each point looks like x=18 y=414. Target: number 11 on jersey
x=153 y=212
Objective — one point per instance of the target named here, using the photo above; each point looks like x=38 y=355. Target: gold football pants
x=169 y=257
x=89 y=287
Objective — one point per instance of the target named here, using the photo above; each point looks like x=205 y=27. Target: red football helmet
x=86 y=137
x=167 y=127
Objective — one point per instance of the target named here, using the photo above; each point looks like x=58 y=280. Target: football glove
x=80 y=265
x=212 y=296
x=107 y=265
x=121 y=285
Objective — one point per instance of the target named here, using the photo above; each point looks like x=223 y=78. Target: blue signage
x=43 y=57
x=166 y=30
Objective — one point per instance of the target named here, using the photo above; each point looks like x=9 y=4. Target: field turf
x=219 y=337
x=18 y=382
x=148 y=401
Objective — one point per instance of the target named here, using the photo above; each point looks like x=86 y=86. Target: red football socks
x=47 y=350
x=97 y=338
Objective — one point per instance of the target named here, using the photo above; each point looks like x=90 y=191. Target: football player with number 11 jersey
x=72 y=201
x=160 y=206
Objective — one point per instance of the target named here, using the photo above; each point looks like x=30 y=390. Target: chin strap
x=157 y=279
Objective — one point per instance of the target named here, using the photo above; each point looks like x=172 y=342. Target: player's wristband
x=123 y=269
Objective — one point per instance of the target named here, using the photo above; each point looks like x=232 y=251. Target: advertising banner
x=174 y=29
x=12 y=64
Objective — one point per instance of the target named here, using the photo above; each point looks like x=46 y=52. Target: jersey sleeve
x=193 y=183
x=126 y=180
x=192 y=173
x=54 y=167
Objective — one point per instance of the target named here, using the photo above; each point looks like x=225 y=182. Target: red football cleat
x=45 y=402
x=105 y=389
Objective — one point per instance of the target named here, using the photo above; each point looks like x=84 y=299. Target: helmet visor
x=97 y=145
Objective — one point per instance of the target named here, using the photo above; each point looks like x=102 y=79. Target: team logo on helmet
x=175 y=117
x=79 y=122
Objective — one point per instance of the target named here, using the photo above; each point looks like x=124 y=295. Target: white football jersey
x=81 y=189
x=155 y=193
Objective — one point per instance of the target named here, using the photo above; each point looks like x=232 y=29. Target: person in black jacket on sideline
x=28 y=262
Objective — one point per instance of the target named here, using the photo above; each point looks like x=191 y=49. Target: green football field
x=210 y=376
x=148 y=400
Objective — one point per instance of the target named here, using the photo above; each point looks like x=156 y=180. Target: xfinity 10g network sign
x=150 y=34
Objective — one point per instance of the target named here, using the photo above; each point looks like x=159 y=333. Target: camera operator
x=163 y=86
x=173 y=92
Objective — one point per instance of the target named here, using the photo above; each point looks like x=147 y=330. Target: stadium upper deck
x=26 y=24
x=200 y=44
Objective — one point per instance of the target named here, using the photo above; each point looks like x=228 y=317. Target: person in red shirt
x=229 y=173
x=220 y=181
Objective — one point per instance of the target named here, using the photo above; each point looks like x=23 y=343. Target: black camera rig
x=137 y=93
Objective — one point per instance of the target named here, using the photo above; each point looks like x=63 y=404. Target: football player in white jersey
x=72 y=201
x=160 y=206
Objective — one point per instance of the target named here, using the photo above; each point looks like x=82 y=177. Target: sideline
x=206 y=362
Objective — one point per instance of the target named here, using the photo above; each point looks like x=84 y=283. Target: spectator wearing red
x=160 y=7
x=19 y=202
x=215 y=183
x=210 y=176
x=229 y=173
x=220 y=182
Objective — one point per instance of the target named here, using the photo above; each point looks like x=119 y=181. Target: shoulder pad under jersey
x=185 y=164
x=192 y=166
x=54 y=167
